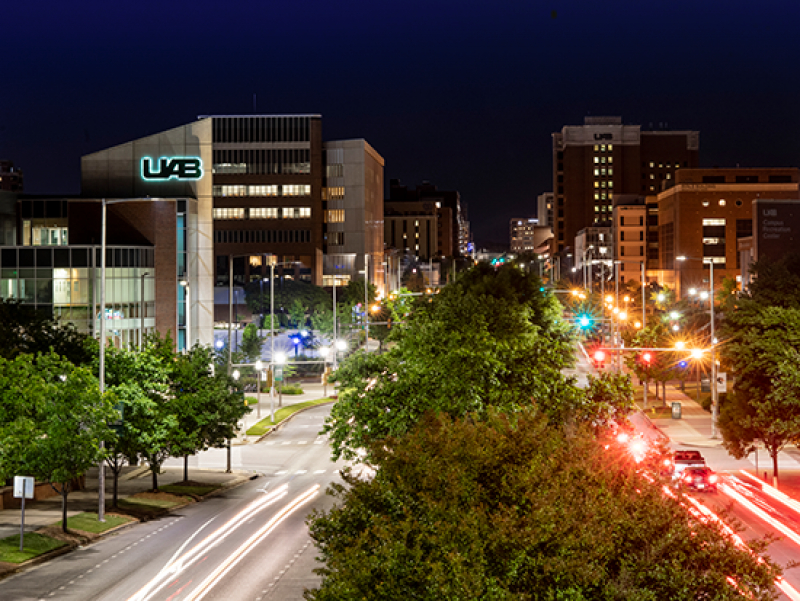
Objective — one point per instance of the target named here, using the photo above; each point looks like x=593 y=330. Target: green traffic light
x=584 y=321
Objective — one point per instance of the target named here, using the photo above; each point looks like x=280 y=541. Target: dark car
x=699 y=478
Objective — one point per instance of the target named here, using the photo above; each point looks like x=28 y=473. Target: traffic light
x=646 y=359
x=584 y=321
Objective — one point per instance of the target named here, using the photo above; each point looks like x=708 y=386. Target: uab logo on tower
x=181 y=168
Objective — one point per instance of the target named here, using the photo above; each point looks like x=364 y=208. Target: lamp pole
x=101 y=469
x=366 y=300
x=259 y=367
x=714 y=393
x=142 y=310
x=335 y=362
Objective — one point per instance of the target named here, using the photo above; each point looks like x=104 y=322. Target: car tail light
x=712 y=478
x=667 y=462
x=622 y=437
x=688 y=477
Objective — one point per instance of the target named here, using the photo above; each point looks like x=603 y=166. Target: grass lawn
x=183 y=489
x=281 y=414
x=34 y=545
x=87 y=522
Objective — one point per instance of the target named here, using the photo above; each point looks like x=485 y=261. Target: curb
x=280 y=424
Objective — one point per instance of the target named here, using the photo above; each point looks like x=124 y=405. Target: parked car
x=699 y=478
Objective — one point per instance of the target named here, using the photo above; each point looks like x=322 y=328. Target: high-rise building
x=258 y=182
x=353 y=212
x=595 y=162
x=526 y=235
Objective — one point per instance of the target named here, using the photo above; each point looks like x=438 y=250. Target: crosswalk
x=286 y=443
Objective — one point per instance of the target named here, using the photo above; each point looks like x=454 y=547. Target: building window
x=262 y=190
x=230 y=190
x=228 y=213
x=296 y=212
x=334 y=216
x=296 y=190
x=264 y=213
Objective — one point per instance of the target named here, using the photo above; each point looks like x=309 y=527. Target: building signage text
x=180 y=168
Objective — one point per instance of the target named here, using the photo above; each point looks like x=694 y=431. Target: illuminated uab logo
x=181 y=168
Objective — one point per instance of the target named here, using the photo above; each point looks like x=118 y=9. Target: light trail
x=773 y=492
x=240 y=553
x=175 y=566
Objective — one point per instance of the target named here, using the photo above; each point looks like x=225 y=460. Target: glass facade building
x=65 y=282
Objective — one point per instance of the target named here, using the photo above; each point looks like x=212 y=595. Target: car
x=700 y=479
x=683 y=460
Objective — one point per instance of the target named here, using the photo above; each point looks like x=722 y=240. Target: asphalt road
x=250 y=543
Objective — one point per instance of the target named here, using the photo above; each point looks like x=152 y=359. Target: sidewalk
x=133 y=480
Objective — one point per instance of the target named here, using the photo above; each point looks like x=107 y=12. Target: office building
x=526 y=235
x=705 y=214
x=544 y=209
x=629 y=227
x=353 y=213
x=11 y=179
x=595 y=162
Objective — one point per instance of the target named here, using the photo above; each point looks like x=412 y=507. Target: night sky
x=462 y=94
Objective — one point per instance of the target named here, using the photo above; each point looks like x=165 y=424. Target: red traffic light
x=599 y=356
x=647 y=359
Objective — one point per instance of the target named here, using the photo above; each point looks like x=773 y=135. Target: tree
x=488 y=340
x=609 y=397
x=251 y=343
x=63 y=420
x=25 y=329
x=206 y=406
x=509 y=507
x=762 y=351
x=297 y=313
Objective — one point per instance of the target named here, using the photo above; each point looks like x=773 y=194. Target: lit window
x=705 y=203
x=610 y=169
x=597 y=184
x=602 y=159
x=602 y=147
x=603 y=196
x=228 y=213
x=610 y=184
x=596 y=172
x=597 y=195
x=652 y=176
x=596 y=160
x=713 y=222
x=610 y=147
x=669 y=176
x=296 y=190
x=596 y=148
x=722 y=202
x=262 y=190
x=264 y=213
x=229 y=191
x=334 y=216
x=652 y=164
x=610 y=159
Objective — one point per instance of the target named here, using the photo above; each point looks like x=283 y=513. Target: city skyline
x=463 y=96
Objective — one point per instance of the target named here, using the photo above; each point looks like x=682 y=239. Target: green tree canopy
x=473 y=346
x=25 y=329
x=56 y=422
x=510 y=507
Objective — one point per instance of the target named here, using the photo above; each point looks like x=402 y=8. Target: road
x=250 y=543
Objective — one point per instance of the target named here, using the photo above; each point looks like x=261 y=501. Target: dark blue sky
x=462 y=94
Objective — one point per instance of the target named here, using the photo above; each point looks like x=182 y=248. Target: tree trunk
x=64 y=493
x=185 y=468
x=774 y=455
x=154 y=471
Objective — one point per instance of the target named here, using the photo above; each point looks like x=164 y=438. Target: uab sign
x=180 y=168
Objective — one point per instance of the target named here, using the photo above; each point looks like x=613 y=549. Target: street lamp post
x=714 y=394
x=324 y=351
x=259 y=367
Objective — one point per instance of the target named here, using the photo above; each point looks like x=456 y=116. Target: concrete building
x=704 y=215
x=258 y=182
x=527 y=235
x=353 y=213
x=544 y=209
x=453 y=235
x=629 y=227
x=595 y=162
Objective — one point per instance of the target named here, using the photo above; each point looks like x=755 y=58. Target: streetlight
x=714 y=399
x=323 y=351
x=101 y=471
x=142 y=311
x=339 y=345
x=259 y=367
x=280 y=359
x=272 y=266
